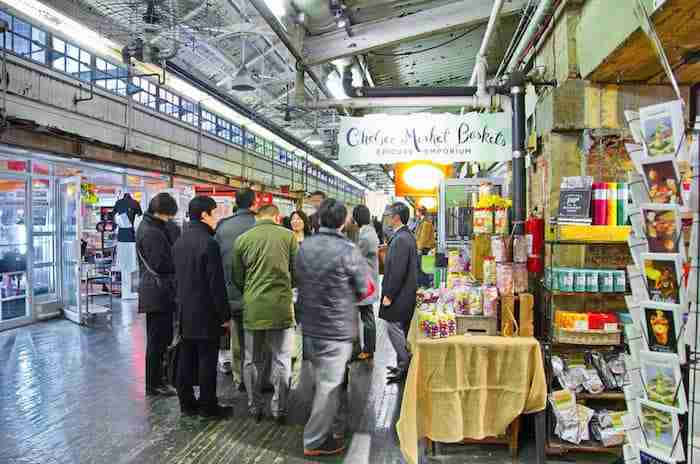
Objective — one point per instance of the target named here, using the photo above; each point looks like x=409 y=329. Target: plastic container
x=555 y=279
x=592 y=281
x=489 y=270
x=504 y=278
x=519 y=277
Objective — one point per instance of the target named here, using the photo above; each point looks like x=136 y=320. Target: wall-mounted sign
x=442 y=138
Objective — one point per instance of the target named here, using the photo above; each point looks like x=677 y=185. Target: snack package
x=519 y=278
x=608 y=428
x=504 y=278
x=474 y=301
x=490 y=299
x=597 y=360
x=592 y=382
x=567 y=415
x=483 y=221
x=489 y=270
x=500 y=223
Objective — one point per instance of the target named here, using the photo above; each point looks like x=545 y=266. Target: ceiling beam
x=240 y=28
x=369 y=36
x=188 y=16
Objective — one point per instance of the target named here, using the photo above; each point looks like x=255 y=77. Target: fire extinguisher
x=534 y=228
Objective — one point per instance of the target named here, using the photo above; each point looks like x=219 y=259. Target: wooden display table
x=471 y=387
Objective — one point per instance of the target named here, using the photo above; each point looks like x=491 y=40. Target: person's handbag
x=164 y=283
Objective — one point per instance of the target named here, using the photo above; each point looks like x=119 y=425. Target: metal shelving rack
x=554 y=445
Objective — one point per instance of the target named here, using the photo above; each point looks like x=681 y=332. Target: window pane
x=58 y=45
x=38 y=36
x=85 y=57
x=72 y=67
x=20 y=45
x=22 y=28
x=73 y=51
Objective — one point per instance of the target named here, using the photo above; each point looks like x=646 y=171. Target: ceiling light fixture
x=243 y=82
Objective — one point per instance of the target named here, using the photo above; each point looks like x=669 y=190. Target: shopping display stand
x=555 y=341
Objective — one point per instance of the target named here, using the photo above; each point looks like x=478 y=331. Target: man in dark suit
x=204 y=310
x=316 y=199
x=399 y=288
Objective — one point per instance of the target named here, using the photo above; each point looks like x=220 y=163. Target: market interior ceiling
x=248 y=49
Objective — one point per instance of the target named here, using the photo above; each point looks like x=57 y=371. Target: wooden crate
x=477 y=325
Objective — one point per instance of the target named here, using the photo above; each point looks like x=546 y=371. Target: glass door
x=14 y=247
x=70 y=232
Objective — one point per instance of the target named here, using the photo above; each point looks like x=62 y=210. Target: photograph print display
x=662 y=180
x=662 y=227
x=662 y=326
x=660 y=430
x=663 y=273
x=663 y=384
x=662 y=127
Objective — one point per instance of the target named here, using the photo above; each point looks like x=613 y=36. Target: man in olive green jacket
x=263 y=270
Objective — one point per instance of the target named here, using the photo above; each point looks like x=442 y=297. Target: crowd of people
x=261 y=278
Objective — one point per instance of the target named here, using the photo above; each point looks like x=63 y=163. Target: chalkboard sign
x=575 y=204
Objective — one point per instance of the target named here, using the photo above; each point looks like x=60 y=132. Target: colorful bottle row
x=585 y=280
x=610 y=203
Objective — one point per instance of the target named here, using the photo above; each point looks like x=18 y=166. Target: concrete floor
x=71 y=394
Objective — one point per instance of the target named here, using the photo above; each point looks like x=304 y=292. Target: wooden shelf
x=561 y=447
x=607 y=396
x=560 y=293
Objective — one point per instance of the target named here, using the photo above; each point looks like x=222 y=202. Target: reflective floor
x=71 y=394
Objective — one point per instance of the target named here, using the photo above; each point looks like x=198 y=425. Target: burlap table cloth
x=468 y=387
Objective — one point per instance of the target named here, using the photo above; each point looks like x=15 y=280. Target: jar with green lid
x=607 y=279
x=555 y=279
x=580 y=280
x=619 y=281
x=566 y=280
x=592 y=281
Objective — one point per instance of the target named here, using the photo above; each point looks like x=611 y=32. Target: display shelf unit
x=560 y=447
x=554 y=445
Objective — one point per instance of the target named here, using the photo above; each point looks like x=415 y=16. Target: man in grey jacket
x=332 y=276
x=227 y=231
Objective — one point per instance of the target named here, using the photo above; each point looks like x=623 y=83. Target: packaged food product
x=606 y=281
x=489 y=270
x=603 y=321
x=504 y=278
x=500 y=221
x=555 y=279
x=592 y=281
x=519 y=277
x=455 y=261
x=548 y=278
x=566 y=280
x=490 y=298
x=580 y=321
x=619 y=281
x=474 y=301
x=501 y=248
x=483 y=221
x=520 y=249
x=580 y=280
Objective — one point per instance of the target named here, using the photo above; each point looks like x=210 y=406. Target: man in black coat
x=156 y=286
x=204 y=309
x=316 y=199
x=399 y=288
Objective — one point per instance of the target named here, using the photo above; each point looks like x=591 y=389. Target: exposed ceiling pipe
x=481 y=55
x=363 y=92
x=476 y=101
x=543 y=9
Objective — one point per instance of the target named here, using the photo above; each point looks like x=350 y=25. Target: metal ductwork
x=382 y=92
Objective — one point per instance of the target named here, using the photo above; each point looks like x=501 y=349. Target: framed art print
x=662 y=327
x=663 y=180
x=660 y=430
x=662 y=128
x=662 y=381
x=662 y=228
x=663 y=274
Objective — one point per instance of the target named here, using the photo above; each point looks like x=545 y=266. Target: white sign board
x=387 y=139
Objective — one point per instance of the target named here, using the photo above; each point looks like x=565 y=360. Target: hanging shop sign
x=442 y=138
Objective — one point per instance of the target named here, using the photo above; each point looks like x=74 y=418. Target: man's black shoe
x=218 y=412
x=164 y=390
x=398 y=377
x=241 y=387
x=329 y=447
x=188 y=412
x=256 y=414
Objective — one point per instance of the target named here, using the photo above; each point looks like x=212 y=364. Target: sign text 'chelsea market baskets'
x=387 y=139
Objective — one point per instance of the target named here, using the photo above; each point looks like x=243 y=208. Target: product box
x=603 y=321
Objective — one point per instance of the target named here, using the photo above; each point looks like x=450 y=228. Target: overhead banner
x=442 y=138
